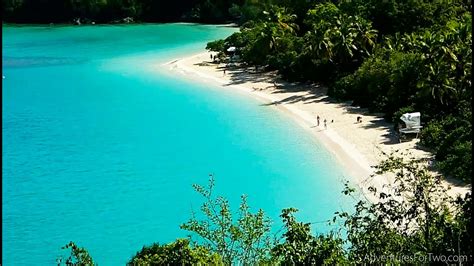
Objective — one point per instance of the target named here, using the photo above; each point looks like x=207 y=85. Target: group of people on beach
x=325 y=121
x=213 y=58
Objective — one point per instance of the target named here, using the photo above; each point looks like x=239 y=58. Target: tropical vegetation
x=412 y=221
x=391 y=57
x=105 y=11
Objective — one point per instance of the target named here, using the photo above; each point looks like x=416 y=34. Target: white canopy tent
x=412 y=124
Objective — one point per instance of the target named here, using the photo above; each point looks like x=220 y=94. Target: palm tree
x=345 y=39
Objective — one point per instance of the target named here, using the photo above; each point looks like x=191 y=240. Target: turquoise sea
x=101 y=146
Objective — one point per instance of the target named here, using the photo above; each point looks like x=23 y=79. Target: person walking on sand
x=317 y=118
x=325 y=124
x=224 y=72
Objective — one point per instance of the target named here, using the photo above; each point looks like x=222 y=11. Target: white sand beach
x=357 y=146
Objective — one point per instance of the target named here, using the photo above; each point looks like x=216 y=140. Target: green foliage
x=390 y=17
x=450 y=137
x=249 y=12
x=458 y=159
x=302 y=248
x=245 y=239
x=447 y=67
x=385 y=82
x=216 y=46
x=177 y=253
x=428 y=71
x=337 y=38
x=78 y=257
x=367 y=82
x=396 y=116
x=260 y=40
x=27 y=11
x=46 y=11
x=414 y=216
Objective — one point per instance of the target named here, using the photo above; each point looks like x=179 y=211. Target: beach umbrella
x=231 y=49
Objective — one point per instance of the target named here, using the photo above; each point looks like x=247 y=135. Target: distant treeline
x=105 y=11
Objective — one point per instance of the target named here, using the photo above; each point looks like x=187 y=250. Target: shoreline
x=356 y=146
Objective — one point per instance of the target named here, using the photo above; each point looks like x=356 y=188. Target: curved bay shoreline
x=357 y=146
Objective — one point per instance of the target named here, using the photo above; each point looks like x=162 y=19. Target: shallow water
x=101 y=148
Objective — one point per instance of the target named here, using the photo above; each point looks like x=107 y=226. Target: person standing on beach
x=325 y=124
x=317 y=118
x=224 y=72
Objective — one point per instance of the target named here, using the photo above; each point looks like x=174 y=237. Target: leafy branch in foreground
x=414 y=215
x=300 y=247
x=79 y=256
x=245 y=240
x=177 y=253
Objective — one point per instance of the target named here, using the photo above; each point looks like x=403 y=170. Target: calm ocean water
x=102 y=149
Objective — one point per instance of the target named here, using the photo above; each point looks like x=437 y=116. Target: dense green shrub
x=396 y=116
x=426 y=220
x=390 y=17
x=370 y=81
x=385 y=82
x=216 y=46
x=450 y=138
x=300 y=247
x=177 y=253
